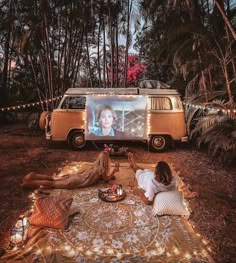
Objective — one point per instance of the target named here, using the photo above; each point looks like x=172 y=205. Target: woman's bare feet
x=131 y=159
x=117 y=167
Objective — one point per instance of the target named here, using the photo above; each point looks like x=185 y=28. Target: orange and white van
x=153 y=116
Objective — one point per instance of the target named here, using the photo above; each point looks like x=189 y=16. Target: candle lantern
x=119 y=190
x=19 y=232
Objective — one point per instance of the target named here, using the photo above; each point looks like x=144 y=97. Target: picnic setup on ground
x=125 y=212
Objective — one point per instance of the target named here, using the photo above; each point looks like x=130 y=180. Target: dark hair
x=164 y=172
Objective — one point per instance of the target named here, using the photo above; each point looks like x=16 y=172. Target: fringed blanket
x=124 y=231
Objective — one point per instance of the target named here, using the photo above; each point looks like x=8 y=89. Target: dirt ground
x=213 y=211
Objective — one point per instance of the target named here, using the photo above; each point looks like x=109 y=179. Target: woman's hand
x=113 y=177
x=116 y=168
x=136 y=191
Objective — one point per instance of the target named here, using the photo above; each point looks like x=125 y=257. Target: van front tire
x=159 y=143
x=76 y=140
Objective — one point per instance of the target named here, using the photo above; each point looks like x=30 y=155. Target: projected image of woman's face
x=106 y=121
x=116 y=117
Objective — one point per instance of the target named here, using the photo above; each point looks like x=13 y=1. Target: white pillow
x=170 y=203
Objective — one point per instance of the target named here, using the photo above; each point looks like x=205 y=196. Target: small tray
x=107 y=196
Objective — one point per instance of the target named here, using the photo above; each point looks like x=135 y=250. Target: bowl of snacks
x=112 y=194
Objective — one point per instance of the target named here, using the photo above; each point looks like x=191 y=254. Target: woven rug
x=124 y=231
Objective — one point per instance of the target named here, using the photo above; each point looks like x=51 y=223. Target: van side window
x=177 y=103
x=74 y=103
x=159 y=103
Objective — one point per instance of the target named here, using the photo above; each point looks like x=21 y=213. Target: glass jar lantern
x=19 y=232
x=119 y=190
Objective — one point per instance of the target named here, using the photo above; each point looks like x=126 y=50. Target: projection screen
x=116 y=117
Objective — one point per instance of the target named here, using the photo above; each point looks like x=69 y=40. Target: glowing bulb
x=119 y=255
x=96 y=249
x=157 y=244
x=67 y=247
x=71 y=253
x=49 y=248
x=161 y=250
x=187 y=256
x=38 y=251
x=110 y=251
x=176 y=251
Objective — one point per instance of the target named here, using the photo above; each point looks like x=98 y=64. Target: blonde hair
x=102 y=164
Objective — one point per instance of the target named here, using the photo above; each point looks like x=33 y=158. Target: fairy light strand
x=23 y=106
x=204 y=107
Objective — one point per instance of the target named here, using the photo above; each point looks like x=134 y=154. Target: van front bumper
x=48 y=135
x=184 y=139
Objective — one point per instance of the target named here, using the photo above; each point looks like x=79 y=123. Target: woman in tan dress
x=99 y=171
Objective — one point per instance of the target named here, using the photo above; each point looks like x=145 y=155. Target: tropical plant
x=217 y=130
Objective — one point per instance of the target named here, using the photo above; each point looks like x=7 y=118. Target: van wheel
x=42 y=119
x=159 y=143
x=76 y=140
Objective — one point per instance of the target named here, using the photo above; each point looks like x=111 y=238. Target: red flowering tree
x=136 y=70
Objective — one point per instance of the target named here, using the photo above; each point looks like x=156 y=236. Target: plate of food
x=112 y=194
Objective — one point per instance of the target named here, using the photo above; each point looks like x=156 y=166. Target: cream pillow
x=170 y=203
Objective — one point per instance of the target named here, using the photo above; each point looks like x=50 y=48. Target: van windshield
x=74 y=103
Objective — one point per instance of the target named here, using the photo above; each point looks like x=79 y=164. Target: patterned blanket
x=124 y=231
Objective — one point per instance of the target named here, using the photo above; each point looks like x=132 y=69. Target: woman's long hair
x=102 y=164
x=164 y=172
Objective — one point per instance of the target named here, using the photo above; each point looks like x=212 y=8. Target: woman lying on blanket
x=99 y=170
x=152 y=182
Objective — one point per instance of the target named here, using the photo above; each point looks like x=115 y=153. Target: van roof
x=120 y=91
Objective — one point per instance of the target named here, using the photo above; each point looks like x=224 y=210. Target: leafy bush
x=218 y=132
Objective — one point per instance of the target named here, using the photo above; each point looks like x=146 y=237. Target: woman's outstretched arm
x=116 y=169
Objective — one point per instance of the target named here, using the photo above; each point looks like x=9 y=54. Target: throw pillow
x=51 y=211
x=170 y=203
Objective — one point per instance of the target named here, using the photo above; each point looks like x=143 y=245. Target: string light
x=29 y=104
x=204 y=107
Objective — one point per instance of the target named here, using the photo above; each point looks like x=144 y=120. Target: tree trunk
x=88 y=61
x=4 y=87
x=227 y=22
x=49 y=60
x=104 y=54
x=230 y=49
x=210 y=78
x=203 y=79
x=111 y=43
x=127 y=43
x=98 y=53
x=228 y=87
x=117 y=55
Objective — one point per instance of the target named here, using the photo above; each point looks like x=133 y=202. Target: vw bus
x=153 y=116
